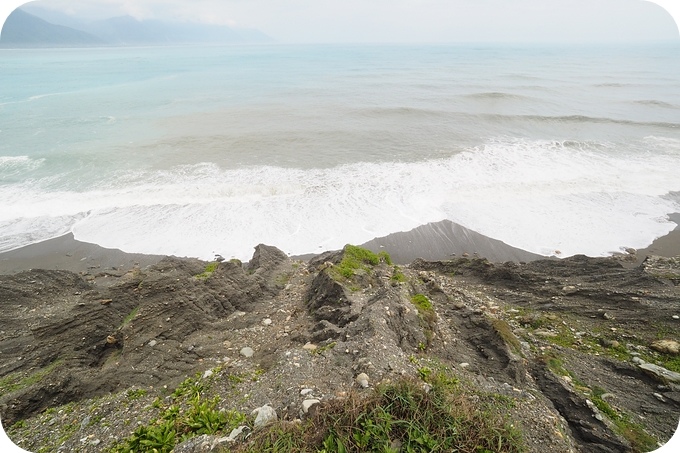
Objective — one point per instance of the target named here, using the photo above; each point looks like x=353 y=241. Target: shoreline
x=433 y=241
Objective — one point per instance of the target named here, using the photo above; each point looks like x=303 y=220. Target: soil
x=555 y=336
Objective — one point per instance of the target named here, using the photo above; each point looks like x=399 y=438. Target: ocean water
x=193 y=151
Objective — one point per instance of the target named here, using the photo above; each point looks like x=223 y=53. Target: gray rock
x=265 y=415
x=659 y=373
x=307 y=404
x=362 y=380
x=152 y=343
x=198 y=444
x=234 y=434
x=247 y=352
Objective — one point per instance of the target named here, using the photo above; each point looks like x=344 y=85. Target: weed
x=503 y=330
x=16 y=381
x=398 y=276
x=398 y=416
x=136 y=394
x=355 y=258
x=210 y=268
x=129 y=317
x=324 y=348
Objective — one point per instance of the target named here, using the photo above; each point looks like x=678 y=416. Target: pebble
x=464 y=365
x=265 y=415
x=233 y=435
x=247 y=352
x=267 y=322
x=659 y=397
x=307 y=404
x=676 y=317
x=362 y=380
x=305 y=392
x=207 y=374
x=152 y=343
x=309 y=347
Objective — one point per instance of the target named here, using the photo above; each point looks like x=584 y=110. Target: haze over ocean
x=195 y=150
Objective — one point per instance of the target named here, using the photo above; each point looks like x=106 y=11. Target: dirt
x=552 y=335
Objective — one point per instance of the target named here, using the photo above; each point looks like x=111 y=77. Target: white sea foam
x=541 y=196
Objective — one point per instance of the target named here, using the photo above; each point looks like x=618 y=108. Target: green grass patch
x=504 y=331
x=355 y=258
x=397 y=275
x=129 y=317
x=398 y=416
x=634 y=433
x=210 y=268
x=19 y=380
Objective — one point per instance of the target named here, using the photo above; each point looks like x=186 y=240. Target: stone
x=198 y=444
x=544 y=333
x=659 y=397
x=267 y=322
x=666 y=346
x=234 y=434
x=207 y=374
x=362 y=380
x=265 y=415
x=308 y=403
x=659 y=373
x=309 y=347
x=152 y=343
x=247 y=352
x=305 y=392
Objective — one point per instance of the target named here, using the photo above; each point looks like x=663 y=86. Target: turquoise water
x=195 y=150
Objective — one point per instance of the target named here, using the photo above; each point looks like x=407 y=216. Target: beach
x=435 y=241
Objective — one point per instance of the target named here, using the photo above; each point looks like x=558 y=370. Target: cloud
x=408 y=20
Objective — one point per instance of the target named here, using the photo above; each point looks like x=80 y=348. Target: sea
x=203 y=150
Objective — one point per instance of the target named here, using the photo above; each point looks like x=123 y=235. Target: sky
x=323 y=21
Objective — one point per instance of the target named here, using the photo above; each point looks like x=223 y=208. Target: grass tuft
x=398 y=416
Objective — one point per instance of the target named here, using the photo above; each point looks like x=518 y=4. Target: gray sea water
x=199 y=150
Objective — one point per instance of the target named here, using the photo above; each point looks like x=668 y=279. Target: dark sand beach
x=433 y=241
x=66 y=253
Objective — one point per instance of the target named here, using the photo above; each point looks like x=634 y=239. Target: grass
x=17 y=381
x=187 y=414
x=398 y=416
x=427 y=317
x=129 y=317
x=634 y=433
x=503 y=330
x=398 y=276
x=355 y=258
x=210 y=268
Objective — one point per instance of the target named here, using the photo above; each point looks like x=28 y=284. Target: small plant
x=324 y=348
x=355 y=258
x=398 y=416
x=210 y=268
x=398 y=276
x=136 y=394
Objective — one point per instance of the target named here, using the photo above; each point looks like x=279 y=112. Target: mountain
x=22 y=29
x=45 y=28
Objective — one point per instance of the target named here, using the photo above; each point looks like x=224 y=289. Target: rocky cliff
x=578 y=354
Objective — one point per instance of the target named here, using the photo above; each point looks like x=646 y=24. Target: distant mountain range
x=45 y=28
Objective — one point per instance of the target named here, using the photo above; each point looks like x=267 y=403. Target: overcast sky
x=409 y=20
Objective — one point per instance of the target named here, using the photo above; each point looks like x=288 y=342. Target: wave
x=580 y=119
x=656 y=103
x=541 y=196
x=17 y=164
x=497 y=95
